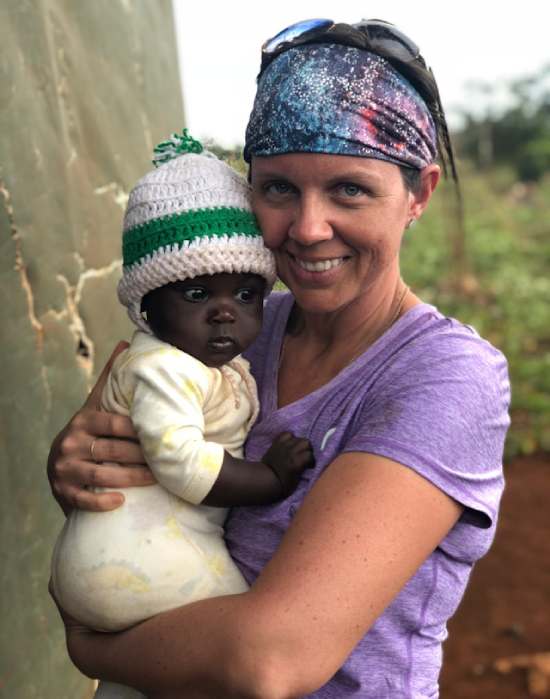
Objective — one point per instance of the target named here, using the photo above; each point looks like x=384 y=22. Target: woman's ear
x=429 y=178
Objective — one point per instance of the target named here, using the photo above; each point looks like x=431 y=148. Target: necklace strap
x=399 y=307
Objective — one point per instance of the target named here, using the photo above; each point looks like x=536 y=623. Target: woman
x=406 y=410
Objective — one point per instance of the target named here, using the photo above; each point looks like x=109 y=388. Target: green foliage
x=516 y=135
x=505 y=287
x=232 y=156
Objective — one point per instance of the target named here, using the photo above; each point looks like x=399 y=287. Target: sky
x=463 y=41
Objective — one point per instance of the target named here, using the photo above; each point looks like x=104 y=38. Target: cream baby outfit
x=162 y=548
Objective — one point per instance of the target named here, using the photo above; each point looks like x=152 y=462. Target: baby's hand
x=288 y=457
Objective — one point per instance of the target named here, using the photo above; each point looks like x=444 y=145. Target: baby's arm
x=167 y=404
x=242 y=482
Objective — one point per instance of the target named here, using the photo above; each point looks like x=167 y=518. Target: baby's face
x=213 y=318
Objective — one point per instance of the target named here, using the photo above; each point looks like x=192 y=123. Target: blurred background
x=86 y=90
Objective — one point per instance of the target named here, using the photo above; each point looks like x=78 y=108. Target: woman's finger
x=91 y=501
x=72 y=489
x=111 y=425
x=112 y=476
x=119 y=451
x=88 y=424
x=75 y=473
x=94 y=399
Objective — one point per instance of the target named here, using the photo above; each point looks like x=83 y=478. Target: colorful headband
x=330 y=98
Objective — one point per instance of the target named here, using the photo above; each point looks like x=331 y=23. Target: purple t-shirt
x=430 y=394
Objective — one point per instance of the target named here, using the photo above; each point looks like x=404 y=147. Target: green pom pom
x=175 y=146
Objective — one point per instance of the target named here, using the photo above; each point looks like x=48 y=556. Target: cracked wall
x=86 y=90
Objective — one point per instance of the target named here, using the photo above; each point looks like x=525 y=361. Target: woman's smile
x=318 y=265
x=313 y=272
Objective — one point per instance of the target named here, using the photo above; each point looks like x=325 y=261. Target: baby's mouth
x=221 y=343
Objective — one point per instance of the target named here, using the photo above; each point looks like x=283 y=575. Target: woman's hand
x=89 y=451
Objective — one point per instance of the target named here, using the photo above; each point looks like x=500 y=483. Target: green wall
x=87 y=88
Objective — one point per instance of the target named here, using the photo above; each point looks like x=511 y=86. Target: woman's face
x=334 y=223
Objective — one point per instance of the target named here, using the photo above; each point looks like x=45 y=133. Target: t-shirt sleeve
x=169 y=392
x=441 y=408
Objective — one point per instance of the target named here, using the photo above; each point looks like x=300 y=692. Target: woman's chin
x=318 y=301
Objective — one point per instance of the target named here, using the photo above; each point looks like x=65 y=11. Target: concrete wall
x=86 y=90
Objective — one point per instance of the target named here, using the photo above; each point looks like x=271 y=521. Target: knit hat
x=188 y=217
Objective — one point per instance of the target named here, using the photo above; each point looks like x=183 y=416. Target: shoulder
x=444 y=371
x=439 y=404
x=425 y=361
x=152 y=361
x=429 y=344
x=455 y=380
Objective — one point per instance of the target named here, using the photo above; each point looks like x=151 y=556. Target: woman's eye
x=246 y=295
x=351 y=190
x=195 y=294
x=278 y=188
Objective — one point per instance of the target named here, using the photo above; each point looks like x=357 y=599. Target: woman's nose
x=310 y=224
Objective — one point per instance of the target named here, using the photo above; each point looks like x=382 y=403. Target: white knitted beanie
x=188 y=217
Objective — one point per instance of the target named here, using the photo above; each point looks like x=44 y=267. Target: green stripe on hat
x=176 y=229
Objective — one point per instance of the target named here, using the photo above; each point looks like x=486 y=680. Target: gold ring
x=92 y=447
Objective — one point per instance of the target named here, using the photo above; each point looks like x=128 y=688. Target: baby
x=195 y=275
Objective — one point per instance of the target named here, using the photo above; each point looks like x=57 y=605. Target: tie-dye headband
x=330 y=98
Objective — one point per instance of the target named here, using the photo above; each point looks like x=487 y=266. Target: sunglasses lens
x=386 y=38
x=300 y=29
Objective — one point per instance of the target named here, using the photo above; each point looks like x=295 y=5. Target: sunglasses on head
x=374 y=35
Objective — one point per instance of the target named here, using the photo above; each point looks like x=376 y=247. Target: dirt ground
x=506 y=610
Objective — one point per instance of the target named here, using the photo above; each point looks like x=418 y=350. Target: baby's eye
x=246 y=295
x=195 y=294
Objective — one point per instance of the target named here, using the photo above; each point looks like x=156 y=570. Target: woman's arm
x=361 y=533
x=70 y=464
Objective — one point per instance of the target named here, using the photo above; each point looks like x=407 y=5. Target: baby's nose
x=222 y=314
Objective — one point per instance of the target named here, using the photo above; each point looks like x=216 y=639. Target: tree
x=516 y=134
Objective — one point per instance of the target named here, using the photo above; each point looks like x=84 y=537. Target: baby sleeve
x=169 y=392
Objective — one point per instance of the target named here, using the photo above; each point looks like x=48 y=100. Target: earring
x=411 y=222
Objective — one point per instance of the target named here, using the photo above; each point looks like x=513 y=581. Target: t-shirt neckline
x=275 y=346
